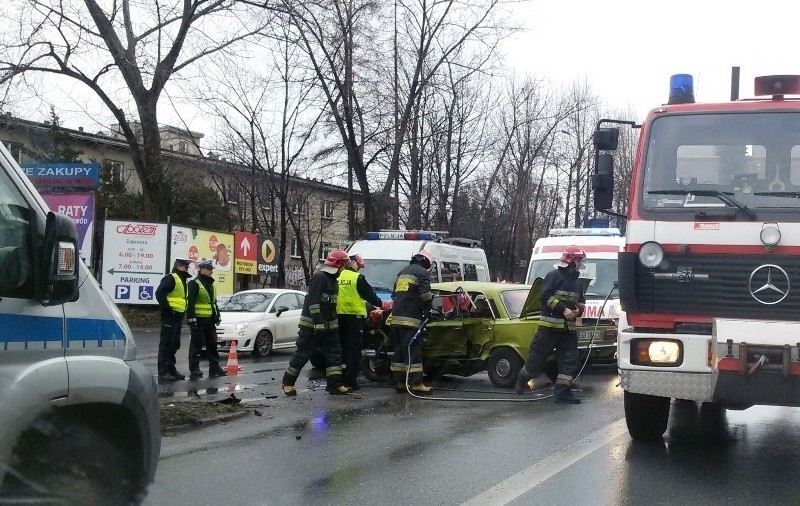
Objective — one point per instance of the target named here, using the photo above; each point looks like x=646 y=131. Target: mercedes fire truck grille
x=764 y=287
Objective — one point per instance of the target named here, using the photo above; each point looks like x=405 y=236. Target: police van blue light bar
x=681 y=89
x=565 y=232
x=402 y=235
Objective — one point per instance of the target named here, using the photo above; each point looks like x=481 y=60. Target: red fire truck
x=710 y=275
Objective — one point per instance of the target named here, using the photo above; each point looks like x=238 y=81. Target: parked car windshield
x=248 y=302
x=513 y=300
x=381 y=274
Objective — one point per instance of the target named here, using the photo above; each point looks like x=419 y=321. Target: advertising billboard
x=79 y=207
x=198 y=245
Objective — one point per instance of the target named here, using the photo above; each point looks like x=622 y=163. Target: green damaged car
x=481 y=326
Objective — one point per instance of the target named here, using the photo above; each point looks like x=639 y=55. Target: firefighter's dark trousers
x=565 y=343
x=307 y=340
x=401 y=360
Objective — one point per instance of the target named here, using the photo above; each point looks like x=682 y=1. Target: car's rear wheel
x=503 y=366
x=263 y=345
x=646 y=416
x=373 y=369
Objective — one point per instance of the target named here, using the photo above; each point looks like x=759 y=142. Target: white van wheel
x=64 y=460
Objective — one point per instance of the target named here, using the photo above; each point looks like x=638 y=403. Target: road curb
x=203 y=422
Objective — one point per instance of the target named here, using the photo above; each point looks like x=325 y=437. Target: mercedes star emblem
x=769 y=284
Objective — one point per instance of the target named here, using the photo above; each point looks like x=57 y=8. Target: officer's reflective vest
x=349 y=301
x=177 y=297
x=202 y=306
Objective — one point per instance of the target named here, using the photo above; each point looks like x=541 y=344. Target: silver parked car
x=260 y=320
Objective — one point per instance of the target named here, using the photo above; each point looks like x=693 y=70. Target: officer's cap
x=183 y=262
x=205 y=264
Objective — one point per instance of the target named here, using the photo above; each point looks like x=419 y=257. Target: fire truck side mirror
x=606 y=139
x=603 y=182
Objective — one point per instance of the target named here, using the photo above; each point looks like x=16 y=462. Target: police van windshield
x=381 y=274
x=736 y=163
x=601 y=271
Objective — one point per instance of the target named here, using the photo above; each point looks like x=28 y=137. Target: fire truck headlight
x=770 y=235
x=651 y=254
x=656 y=352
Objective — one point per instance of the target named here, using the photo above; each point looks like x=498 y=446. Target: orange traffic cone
x=233 y=367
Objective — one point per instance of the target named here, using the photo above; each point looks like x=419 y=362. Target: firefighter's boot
x=340 y=390
x=400 y=387
x=289 y=390
x=420 y=389
x=522 y=381
x=563 y=395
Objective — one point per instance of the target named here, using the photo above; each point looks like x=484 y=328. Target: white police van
x=389 y=251
x=79 y=421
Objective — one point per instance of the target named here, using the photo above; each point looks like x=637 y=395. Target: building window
x=116 y=170
x=296 y=246
x=327 y=209
x=324 y=249
x=183 y=146
x=15 y=148
x=298 y=207
x=232 y=193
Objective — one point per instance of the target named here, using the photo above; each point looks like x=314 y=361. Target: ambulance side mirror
x=59 y=279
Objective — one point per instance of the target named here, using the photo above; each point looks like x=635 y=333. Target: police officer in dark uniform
x=202 y=314
x=171 y=297
x=412 y=300
x=319 y=326
x=562 y=302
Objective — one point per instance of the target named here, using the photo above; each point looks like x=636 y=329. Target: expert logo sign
x=267 y=257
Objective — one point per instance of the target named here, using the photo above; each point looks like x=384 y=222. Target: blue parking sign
x=145 y=292
x=122 y=292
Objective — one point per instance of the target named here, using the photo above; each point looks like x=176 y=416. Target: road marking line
x=527 y=479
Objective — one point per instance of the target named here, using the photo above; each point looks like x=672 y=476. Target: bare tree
x=124 y=51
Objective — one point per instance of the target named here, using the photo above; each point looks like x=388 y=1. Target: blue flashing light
x=681 y=89
x=401 y=235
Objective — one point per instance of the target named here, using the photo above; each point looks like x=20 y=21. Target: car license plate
x=585 y=335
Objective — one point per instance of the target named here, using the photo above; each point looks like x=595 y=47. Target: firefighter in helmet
x=319 y=326
x=562 y=303
x=412 y=302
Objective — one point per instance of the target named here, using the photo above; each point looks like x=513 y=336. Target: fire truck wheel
x=646 y=416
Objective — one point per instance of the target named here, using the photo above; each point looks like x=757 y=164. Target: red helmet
x=337 y=258
x=358 y=259
x=572 y=253
x=423 y=258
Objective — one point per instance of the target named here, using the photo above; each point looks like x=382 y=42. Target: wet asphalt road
x=386 y=448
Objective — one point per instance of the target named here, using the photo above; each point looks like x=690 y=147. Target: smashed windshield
x=248 y=302
x=734 y=163
x=514 y=300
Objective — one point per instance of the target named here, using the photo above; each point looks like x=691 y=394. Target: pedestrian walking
x=412 y=302
x=202 y=314
x=354 y=289
x=319 y=326
x=171 y=297
x=562 y=303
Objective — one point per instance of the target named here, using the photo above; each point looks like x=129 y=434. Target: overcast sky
x=627 y=49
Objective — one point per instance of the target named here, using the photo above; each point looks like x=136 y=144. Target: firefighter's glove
x=192 y=322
